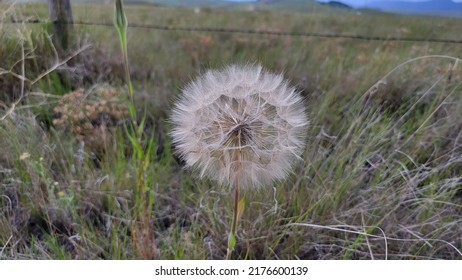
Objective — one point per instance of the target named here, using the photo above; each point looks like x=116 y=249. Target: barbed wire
x=252 y=31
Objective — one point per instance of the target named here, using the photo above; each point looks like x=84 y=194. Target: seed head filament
x=240 y=125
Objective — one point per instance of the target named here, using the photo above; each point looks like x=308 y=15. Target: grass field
x=381 y=177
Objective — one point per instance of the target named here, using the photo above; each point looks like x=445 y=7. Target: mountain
x=336 y=4
x=433 y=7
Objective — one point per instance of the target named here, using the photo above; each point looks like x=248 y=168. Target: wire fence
x=255 y=32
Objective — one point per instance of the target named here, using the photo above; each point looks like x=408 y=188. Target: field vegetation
x=382 y=171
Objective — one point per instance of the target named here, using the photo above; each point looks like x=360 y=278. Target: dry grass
x=381 y=177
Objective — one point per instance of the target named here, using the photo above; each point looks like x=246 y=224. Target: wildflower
x=240 y=125
x=24 y=156
x=87 y=114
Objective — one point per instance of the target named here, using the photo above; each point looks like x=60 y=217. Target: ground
x=380 y=177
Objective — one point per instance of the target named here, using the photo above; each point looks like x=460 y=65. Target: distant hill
x=336 y=4
x=433 y=7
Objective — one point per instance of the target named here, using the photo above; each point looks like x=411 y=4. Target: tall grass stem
x=121 y=24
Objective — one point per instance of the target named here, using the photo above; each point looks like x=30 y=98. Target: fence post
x=61 y=16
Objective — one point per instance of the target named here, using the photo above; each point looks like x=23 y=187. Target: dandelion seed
x=240 y=124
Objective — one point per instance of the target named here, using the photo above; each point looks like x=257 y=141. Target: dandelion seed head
x=241 y=125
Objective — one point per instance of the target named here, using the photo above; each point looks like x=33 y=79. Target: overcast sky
x=354 y=3
x=363 y=2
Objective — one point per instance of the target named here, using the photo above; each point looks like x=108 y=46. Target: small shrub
x=92 y=115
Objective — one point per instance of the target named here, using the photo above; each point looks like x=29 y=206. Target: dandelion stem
x=236 y=202
x=232 y=234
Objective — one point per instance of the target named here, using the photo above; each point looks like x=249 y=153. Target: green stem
x=126 y=67
x=141 y=227
x=232 y=234
x=121 y=24
x=236 y=210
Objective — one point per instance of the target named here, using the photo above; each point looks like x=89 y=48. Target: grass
x=381 y=177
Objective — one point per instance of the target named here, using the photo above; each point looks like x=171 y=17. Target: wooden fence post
x=61 y=16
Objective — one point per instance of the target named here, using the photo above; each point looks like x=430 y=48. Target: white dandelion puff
x=240 y=126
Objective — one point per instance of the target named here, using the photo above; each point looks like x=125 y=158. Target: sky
x=354 y=3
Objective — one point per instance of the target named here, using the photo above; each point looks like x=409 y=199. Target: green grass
x=381 y=177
